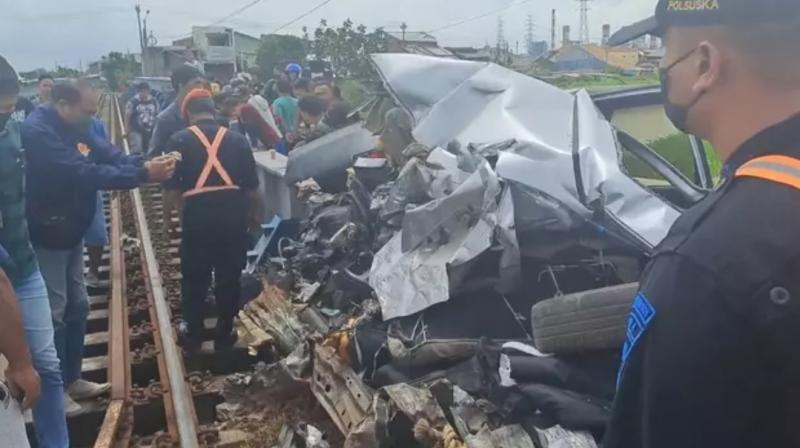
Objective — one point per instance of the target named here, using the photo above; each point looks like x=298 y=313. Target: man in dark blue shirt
x=169 y=122
x=61 y=200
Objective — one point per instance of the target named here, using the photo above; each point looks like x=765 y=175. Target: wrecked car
x=473 y=286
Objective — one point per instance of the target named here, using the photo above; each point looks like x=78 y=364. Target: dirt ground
x=264 y=420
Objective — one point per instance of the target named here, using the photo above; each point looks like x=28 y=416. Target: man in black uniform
x=217 y=175
x=713 y=351
x=169 y=121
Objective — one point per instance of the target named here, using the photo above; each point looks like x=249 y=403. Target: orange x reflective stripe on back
x=779 y=169
x=213 y=163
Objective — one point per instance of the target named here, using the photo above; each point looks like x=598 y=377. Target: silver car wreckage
x=472 y=287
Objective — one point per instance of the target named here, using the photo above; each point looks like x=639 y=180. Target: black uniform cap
x=689 y=13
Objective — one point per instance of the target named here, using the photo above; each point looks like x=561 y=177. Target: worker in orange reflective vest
x=216 y=173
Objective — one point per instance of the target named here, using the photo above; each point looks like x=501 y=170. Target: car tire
x=583 y=321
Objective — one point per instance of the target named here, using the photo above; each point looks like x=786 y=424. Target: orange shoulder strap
x=779 y=169
x=212 y=149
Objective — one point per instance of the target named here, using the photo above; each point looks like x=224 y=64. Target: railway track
x=159 y=398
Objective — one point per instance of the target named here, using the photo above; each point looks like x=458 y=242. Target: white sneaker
x=71 y=408
x=84 y=390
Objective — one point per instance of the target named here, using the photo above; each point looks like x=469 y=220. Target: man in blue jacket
x=61 y=201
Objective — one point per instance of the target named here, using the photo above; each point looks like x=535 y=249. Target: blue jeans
x=97 y=235
x=69 y=303
x=48 y=415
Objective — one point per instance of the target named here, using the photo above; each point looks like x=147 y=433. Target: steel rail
x=181 y=417
x=182 y=423
x=119 y=374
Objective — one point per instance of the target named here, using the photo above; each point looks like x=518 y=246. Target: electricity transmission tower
x=584 y=31
x=501 y=36
x=529 y=34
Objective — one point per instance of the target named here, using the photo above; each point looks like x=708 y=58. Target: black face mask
x=678 y=114
x=4 y=117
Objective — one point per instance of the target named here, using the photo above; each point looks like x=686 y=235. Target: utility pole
x=138 y=9
x=236 y=64
x=404 y=27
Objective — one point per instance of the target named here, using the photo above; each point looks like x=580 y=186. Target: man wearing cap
x=217 y=177
x=712 y=355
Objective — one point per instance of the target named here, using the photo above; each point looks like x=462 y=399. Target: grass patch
x=676 y=149
x=603 y=81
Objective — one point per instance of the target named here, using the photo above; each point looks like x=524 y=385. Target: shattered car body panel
x=410 y=273
x=326 y=158
x=565 y=150
x=339 y=390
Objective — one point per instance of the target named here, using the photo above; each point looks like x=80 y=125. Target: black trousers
x=214 y=241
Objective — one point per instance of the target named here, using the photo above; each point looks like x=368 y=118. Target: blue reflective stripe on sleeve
x=642 y=313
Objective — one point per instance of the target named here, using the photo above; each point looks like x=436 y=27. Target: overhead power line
x=223 y=19
x=237 y=12
x=301 y=16
x=480 y=16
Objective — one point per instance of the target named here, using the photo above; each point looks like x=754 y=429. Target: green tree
x=277 y=50
x=347 y=48
x=118 y=68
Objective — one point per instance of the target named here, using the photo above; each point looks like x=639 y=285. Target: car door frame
x=610 y=102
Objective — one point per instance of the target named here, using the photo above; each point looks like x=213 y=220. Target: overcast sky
x=43 y=33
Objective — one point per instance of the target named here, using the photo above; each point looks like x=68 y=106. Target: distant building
x=616 y=57
x=162 y=60
x=595 y=58
x=655 y=42
x=415 y=42
x=641 y=43
x=651 y=60
x=95 y=67
x=538 y=48
x=472 y=54
x=606 y=34
x=220 y=51
x=526 y=64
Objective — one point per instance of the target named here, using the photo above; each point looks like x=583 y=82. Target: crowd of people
x=296 y=109
x=199 y=147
